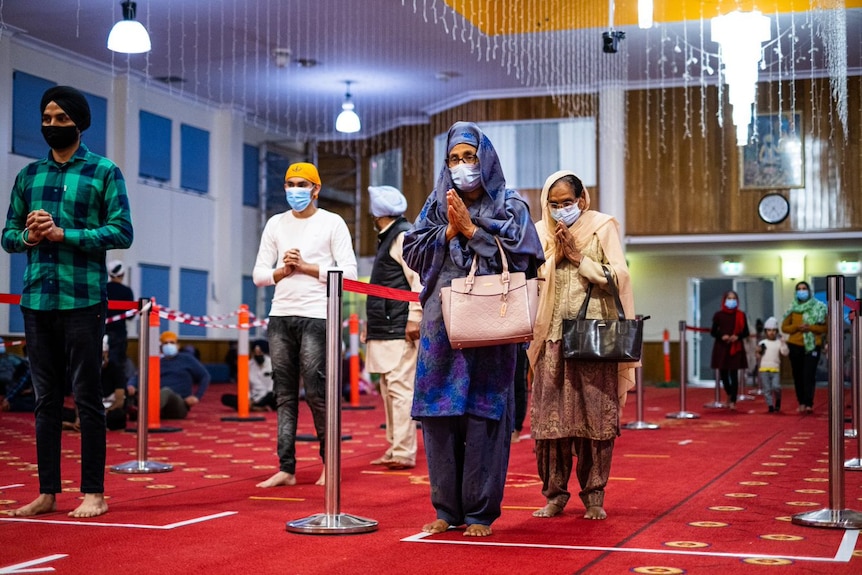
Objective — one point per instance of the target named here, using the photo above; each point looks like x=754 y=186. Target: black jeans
x=66 y=346
x=298 y=349
x=803 y=365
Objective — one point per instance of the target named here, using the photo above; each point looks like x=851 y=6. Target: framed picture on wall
x=774 y=157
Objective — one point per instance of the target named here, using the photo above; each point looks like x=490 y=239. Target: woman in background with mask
x=465 y=398
x=805 y=325
x=576 y=404
x=729 y=328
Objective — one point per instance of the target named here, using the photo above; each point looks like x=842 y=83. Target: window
x=386 y=169
x=195 y=162
x=193 y=298
x=531 y=151
x=155 y=146
x=250 y=176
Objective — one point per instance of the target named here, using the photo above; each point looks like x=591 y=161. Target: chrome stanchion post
x=332 y=522
x=682 y=413
x=716 y=404
x=742 y=396
x=835 y=515
x=141 y=465
x=639 y=392
x=855 y=464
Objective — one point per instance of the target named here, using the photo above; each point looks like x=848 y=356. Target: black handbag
x=617 y=340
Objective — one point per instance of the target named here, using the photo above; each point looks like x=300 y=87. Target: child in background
x=769 y=351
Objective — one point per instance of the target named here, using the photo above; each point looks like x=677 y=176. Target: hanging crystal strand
x=834 y=33
x=686 y=78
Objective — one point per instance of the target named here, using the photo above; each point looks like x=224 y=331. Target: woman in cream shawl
x=576 y=404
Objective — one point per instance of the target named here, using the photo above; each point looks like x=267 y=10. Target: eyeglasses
x=556 y=206
x=471 y=159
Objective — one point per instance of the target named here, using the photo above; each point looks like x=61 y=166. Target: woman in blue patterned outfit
x=465 y=398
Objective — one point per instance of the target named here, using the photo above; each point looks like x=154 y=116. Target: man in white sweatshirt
x=298 y=248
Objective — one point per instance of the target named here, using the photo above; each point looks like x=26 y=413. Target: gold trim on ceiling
x=506 y=17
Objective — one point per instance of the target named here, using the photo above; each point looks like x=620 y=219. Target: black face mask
x=258 y=359
x=60 y=137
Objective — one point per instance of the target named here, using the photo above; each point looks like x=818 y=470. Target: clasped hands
x=565 y=245
x=459 y=217
x=292 y=261
x=40 y=226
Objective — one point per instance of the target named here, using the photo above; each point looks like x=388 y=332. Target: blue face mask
x=731 y=303
x=802 y=294
x=466 y=177
x=169 y=349
x=298 y=198
x=568 y=215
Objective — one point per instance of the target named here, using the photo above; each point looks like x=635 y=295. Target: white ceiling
x=395 y=52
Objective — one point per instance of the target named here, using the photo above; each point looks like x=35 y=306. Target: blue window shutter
x=155 y=147
x=27 y=92
x=194 y=158
x=193 y=299
x=250 y=177
x=155 y=282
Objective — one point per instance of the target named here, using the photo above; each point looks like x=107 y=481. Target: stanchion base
x=356 y=407
x=854 y=464
x=640 y=425
x=715 y=405
x=842 y=518
x=161 y=429
x=309 y=437
x=850 y=433
x=142 y=467
x=238 y=418
x=339 y=524
x=683 y=415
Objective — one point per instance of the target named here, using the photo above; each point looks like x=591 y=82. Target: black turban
x=71 y=101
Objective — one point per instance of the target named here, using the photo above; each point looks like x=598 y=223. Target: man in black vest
x=392 y=332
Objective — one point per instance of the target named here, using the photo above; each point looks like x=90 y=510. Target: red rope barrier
x=15 y=299
x=380 y=291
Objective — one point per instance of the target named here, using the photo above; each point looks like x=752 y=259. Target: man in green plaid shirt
x=65 y=212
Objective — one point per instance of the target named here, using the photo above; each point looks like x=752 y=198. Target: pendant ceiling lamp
x=348 y=121
x=128 y=36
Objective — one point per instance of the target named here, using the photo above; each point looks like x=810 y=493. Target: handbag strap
x=612 y=287
x=471 y=277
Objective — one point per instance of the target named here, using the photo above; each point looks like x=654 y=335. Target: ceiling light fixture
x=347 y=121
x=129 y=36
x=740 y=35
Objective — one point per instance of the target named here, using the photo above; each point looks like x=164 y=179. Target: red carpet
x=709 y=495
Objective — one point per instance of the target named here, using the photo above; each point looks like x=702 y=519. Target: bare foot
x=322 y=479
x=477 y=530
x=45 y=503
x=93 y=505
x=438 y=526
x=549 y=510
x=595 y=512
x=280 y=478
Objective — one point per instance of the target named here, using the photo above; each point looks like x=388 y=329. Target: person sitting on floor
x=180 y=374
x=259 y=380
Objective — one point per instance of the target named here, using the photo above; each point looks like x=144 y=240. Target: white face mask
x=568 y=215
x=466 y=177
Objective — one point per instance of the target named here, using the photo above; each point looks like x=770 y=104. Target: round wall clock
x=773 y=208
